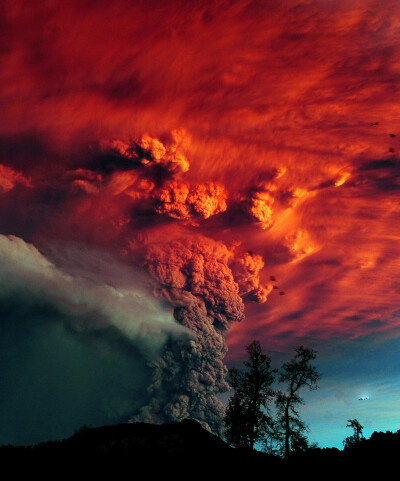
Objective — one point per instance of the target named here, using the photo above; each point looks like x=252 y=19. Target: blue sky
x=362 y=369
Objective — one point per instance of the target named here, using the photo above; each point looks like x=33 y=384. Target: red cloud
x=226 y=96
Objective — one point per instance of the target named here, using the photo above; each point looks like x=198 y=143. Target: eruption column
x=195 y=277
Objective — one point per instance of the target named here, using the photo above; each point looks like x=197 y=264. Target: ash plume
x=261 y=208
x=148 y=150
x=196 y=278
x=181 y=201
x=246 y=268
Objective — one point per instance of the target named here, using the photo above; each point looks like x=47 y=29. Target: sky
x=178 y=179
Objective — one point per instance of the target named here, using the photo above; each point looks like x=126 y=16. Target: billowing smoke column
x=196 y=278
x=201 y=279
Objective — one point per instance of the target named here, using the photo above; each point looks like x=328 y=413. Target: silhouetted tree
x=297 y=373
x=247 y=418
x=357 y=435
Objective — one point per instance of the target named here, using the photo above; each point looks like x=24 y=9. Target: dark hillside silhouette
x=178 y=448
x=184 y=449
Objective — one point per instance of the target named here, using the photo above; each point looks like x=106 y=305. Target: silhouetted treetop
x=296 y=374
x=247 y=415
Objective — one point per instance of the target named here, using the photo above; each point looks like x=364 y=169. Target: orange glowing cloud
x=150 y=150
x=300 y=244
x=181 y=201
x=246 y=269
x=261 y=208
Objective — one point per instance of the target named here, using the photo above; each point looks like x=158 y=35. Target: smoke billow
x=150 y=151
x=181 y=201
x=196 y=278
x=261 y=208
x=246 y=268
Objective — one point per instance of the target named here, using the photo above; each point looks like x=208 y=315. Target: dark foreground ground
x=186 y=450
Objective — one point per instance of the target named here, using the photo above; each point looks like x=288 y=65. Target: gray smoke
x=195 y=277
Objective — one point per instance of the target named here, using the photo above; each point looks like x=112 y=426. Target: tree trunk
x=287 y=431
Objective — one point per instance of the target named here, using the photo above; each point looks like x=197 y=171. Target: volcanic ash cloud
x=196 y=278
x=148 y=150
x=181 y=201
x=246 y=268
x=87 y=304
